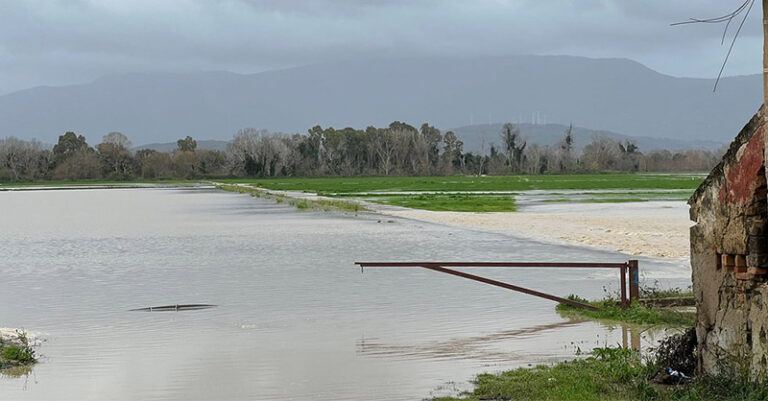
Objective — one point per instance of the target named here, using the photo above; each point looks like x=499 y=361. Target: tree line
x=399 y=149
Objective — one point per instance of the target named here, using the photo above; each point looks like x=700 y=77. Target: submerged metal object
x=174 y=308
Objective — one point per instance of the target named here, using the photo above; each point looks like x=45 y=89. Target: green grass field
x=453 y=202
x=342 y=185
x=464 y=193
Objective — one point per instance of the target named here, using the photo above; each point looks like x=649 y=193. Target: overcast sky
x=57 y=42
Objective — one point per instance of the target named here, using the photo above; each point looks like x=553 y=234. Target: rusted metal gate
x=630 y=268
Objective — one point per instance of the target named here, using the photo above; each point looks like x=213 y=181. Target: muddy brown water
x=295 y=319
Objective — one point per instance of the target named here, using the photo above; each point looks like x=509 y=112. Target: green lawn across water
x=342 y=185
x=453 y=202
x=476 y=194
x=463 y=193
x=608 y=181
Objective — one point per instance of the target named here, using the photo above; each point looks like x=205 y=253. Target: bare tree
x=115 y=156
x=118 y=139
x=514 y=145
x=602 y=154
x=23 y=159
x=384 y=146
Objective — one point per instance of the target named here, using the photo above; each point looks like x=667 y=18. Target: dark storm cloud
x=60 y=42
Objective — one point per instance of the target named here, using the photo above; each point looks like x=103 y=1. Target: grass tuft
x=611 y=373
x=17 y=352
x=636 y=313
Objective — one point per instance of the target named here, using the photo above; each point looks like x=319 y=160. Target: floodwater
x=296 y=319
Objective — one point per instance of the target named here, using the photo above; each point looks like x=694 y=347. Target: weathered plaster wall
x=729 y=255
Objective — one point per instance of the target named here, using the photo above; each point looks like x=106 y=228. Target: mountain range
x=614 y=95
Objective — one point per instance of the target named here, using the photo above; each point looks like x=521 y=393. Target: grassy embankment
x=301 y=204
x=16 y=352
x=480 y=194
x=610 y=374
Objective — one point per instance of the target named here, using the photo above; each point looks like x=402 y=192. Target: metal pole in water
x=634 y=281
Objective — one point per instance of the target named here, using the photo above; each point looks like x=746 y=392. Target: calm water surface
x=296 y=319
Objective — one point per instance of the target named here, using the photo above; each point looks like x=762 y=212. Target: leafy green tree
x=187 y=144
x=69 y=144
x=453 y=150
x=432 y=137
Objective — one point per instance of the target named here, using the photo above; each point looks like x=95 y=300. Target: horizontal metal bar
x=435 y=267
x=496 y=264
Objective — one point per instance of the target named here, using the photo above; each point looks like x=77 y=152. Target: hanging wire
x=744 y=8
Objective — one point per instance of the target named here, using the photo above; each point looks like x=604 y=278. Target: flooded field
x=295 y=318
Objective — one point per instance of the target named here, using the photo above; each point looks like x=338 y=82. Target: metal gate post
x=634 y=282
x=623 y=286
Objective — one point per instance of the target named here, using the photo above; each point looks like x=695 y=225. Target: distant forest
x=399 y=149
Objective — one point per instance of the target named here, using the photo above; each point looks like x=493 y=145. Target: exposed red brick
x=742 y=176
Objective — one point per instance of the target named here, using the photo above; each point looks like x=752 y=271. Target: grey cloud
x=61 y=42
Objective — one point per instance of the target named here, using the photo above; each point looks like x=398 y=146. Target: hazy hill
x=604 y=94
x=479 y=137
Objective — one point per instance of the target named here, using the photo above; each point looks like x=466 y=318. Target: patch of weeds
x=301 y=204
x=255 y=192
x=614 y=373
x=678 y=352
x=16 y=352
x=611 y=373
x=339 y=205
x=656 y=291
x=609 y=309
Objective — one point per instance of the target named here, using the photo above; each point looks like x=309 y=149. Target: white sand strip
x=656 y=229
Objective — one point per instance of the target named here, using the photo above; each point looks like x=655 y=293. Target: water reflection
x=473 y=347
x=499 y=346
x=16 y=372
x=634 y=338
x=295 y=318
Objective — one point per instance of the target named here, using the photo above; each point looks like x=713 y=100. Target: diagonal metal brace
x=436 y=267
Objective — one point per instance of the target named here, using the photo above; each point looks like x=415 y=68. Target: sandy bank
x=657 y=229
